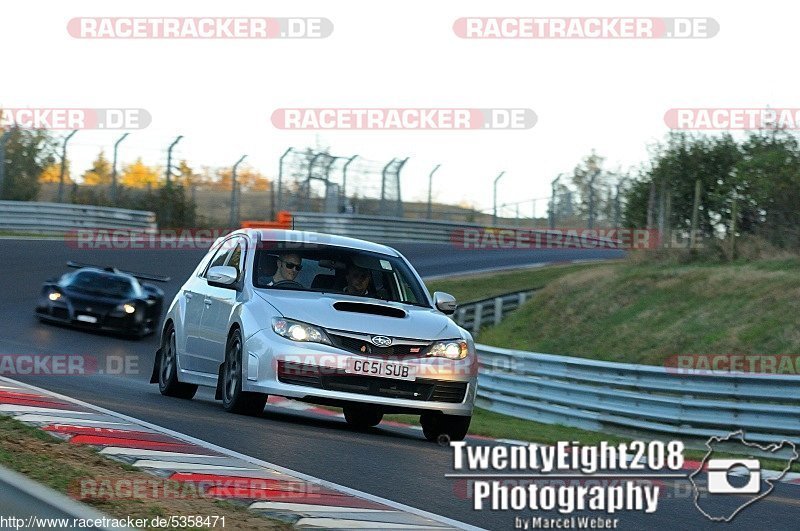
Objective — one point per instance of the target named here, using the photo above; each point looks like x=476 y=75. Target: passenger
x=357 y=281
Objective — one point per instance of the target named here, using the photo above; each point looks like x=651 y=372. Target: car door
x=218 y=305
x=195 y=293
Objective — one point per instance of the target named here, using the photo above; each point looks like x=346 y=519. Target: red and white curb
x=689 y=466
x=305 y=501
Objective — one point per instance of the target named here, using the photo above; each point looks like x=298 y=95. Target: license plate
x=87 y=318
x=381 y=369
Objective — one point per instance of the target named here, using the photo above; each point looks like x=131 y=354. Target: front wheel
x=437 y=425
x=362 y=417
x=233 y=398
x=168 y=382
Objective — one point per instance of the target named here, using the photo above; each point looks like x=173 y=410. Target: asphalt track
x=394 y=463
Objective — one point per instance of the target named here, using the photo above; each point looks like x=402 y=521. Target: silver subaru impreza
x=323 y=319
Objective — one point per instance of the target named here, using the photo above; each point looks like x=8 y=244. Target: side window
x=406 y=292
x=236 y=257
x=219 y=257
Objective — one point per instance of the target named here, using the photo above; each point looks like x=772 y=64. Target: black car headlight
x=299 y=331
x=452 y=349
x=126 y=309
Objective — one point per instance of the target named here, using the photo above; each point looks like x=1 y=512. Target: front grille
x=361 y=346
x=338 y=380
x=60 y=313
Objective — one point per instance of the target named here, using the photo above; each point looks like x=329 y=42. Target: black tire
x=436 y=425
x=233 y=398
x=168 y=382
x=362 y=417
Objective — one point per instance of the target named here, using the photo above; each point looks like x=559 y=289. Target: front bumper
x=315 y=373
x=66 y=315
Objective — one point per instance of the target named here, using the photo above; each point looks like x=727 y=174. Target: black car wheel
x=168 y=382
x=362 y=417
x=436 y=425
x=233 y=398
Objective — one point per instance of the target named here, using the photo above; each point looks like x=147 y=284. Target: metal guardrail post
x=476 y=323
x=3 y=141
x=498 y=310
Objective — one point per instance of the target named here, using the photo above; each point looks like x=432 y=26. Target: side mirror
x=222 y=276
x=445 y=302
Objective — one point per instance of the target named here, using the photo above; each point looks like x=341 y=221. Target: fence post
x=476 y=322
x=498 y=310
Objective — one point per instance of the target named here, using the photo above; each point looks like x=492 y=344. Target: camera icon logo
x=720 y=469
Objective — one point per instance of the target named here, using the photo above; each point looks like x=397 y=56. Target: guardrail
x=60 y=218
x=393 y=230
x=473 y=315
x=614 y=397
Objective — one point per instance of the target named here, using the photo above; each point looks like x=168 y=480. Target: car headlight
x=54 y=296
x=127 y=308
x=455 y=349
x=298 y=331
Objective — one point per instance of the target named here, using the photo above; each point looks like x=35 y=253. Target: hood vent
x=374 y=309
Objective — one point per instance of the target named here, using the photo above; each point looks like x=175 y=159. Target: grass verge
x=62 y=466
x=644 y=313
x=467 y=288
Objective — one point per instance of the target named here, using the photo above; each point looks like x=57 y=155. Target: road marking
x=37 y=409
x=136 y=452
x=304 y=507
x=257 y=462
x=174 y=465
x=335 y=523
x=30 y=417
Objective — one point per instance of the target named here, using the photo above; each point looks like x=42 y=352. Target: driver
x=289 y=266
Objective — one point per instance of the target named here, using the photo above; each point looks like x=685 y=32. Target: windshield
x=101 y=284
x=338 y=270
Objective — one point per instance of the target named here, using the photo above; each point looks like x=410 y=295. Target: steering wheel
x=288 y=284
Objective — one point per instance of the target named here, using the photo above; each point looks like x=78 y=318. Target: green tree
x=674 y=167
x=28 y=153
x=767 y=180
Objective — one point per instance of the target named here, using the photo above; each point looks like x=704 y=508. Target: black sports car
x=103 y=299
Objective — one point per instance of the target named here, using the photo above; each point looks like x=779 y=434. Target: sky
x=606 y=95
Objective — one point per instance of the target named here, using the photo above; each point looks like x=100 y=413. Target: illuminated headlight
x=124 y=309
x=453 y=350
x=297 y=331
x=54 y=296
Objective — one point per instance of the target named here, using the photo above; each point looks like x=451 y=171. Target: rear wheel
x=436 y=425
x=233 y=398
x=362 y=417
x=168 y=382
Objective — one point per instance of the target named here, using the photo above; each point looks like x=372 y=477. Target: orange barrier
x=283 y=221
